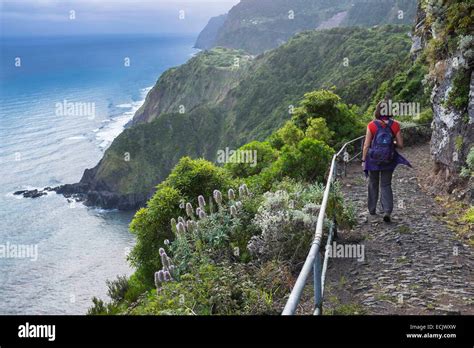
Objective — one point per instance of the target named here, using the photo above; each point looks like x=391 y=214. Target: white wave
x=114 y=126
x=78 y=137
x=11 y=195
x=124 y=106
x=103 y=211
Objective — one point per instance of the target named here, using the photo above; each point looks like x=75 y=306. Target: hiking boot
x=371 y=218
x=387 y=218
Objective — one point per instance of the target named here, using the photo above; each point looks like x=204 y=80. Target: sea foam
x=115 y=125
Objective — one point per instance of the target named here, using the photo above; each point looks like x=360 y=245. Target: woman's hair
x=382 y=106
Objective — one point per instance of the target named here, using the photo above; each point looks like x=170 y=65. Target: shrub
x=276 y=278
x=208 y=290
x=459 y=95
x=287 y=227
x=426 y=116
x=151 y=225
x=99 y=307
x=308 y=161
x=344 y=212
x=117 y=288
x=289 y=134
x=266 y=155
x=215 y=235
x=135 y=288
x=263 y=182
x=287 y=220
x=318 y=129
x=469 y=169
x=325 y=104
x=197 y=177
x=321 y=103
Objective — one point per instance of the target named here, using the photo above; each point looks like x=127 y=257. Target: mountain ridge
x=258 y=26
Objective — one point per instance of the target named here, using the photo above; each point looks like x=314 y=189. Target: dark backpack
x=382 y=149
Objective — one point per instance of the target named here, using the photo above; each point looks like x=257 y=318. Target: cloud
x=47 y=17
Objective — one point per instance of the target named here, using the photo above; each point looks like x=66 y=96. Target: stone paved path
x=415 y=265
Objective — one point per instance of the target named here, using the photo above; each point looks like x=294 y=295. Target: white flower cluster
x=189 y=230
x=283 y=226
x=167 y=272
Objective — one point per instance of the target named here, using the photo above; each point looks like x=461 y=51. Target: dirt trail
x=415 y=265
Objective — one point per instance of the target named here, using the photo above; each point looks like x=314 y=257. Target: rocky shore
x=81 y=192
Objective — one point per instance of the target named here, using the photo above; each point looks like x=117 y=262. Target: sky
x=82 y=17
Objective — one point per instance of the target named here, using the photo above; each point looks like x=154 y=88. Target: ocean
x=56 y=255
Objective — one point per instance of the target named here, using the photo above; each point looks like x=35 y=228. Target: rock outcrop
x=453 y=125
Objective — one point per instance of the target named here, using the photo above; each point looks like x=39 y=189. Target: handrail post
x=318 y=296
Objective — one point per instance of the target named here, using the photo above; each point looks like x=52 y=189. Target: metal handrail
x=313 y=260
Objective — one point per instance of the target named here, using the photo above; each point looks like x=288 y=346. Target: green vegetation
x=233 y=242
x=266 y=155
x=425 y=117
x=469 y=216
x=323 y=116
x=407 y=86
x=354 y=61
x=452 y=22
x=222 y=57
x=152 y=226
x=458 y=143
x=459 y=95
x=404 y=229
x=468 y=171
x=370 y=13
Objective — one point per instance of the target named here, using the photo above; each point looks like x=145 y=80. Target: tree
x=339 y=117
x=262 y=155
x=308 y=161
x=318 y=129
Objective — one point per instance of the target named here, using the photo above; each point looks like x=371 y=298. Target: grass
x=385 y=297
x=342 y=281
x=334 y=307
x=404 y=229
x=403 y=259
x=469 y=216
x=349 y=309
x=459 y=218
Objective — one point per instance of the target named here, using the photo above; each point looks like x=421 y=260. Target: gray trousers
x=382 y=179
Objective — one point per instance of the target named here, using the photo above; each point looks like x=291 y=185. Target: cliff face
x=207 y=38
x=453 y=132
x=451 y=79
x=204 y=80
x=259 y=25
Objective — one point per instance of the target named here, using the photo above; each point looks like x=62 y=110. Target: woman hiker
x=380 y=158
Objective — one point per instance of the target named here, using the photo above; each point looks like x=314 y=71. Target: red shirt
x=373 y=127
